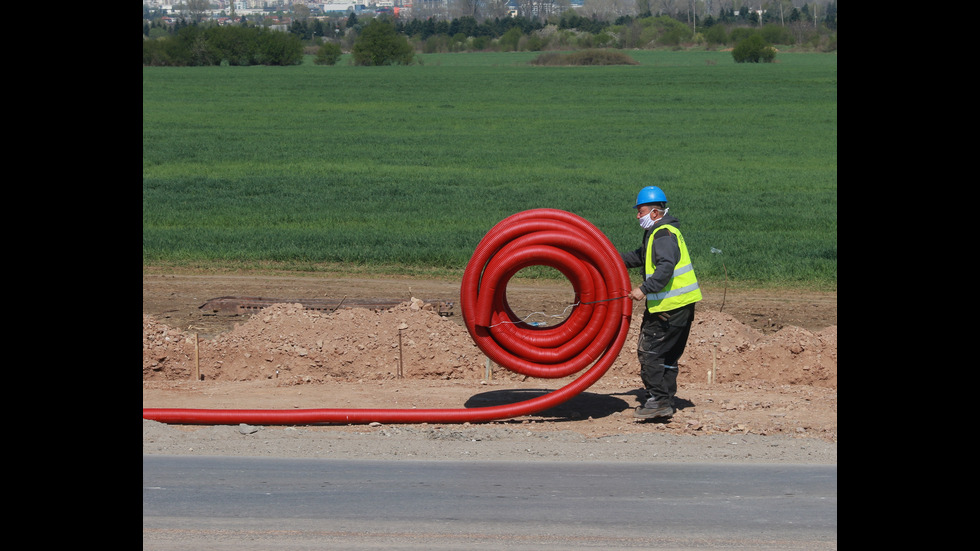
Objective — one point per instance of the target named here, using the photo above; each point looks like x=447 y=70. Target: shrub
x=279 y=48
x=603 y=39
x=534 y=43
x=739 y=34
x=549 y=58
x=509 y=41
x=753 y=50
x=437 y=43
x=776 y=34
x=672 y=31
x=481 y=43
x=327 y=54
x=233 y=45
x=585 y=57
x=380 y=44
x=716 y=35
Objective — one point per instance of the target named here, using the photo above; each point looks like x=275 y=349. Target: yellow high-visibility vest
x=682 y=289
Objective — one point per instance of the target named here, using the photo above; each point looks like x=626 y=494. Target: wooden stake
x=714 y=364
x=197 y=359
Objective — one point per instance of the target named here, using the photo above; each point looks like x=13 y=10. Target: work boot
x=653 y=409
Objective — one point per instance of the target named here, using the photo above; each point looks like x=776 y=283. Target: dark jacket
x=666 y=252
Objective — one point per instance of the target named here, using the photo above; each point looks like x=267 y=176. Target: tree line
x=196 y=45
x=246 y=43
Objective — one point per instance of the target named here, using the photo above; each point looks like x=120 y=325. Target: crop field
x=403 y=169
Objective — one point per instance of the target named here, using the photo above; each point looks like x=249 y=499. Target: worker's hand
x=638 y=294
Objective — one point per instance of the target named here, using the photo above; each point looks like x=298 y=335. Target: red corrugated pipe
x=593 y=334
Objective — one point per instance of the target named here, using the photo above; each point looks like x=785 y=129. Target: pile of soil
x=292 y=345
x=734 y=378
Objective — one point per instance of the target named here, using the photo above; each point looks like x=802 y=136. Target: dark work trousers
x=663 y=337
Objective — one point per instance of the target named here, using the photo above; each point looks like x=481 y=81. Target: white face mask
x=646 y=222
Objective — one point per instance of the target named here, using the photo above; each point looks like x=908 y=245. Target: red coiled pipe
x=593 y=334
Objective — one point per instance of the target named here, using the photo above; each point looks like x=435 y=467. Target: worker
x=669 y=291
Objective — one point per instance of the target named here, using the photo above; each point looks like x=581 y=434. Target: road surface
x=192 y=502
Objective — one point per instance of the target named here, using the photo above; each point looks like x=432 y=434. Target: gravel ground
x=491 y=442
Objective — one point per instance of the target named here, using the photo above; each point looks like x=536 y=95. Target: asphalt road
x=217 y=503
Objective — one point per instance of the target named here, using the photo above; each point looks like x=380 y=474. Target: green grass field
x=404 y=169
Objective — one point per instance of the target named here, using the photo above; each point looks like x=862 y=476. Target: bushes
x=753 y=49
x=776 y=34
x=585 y=57
x=671 y=31
x=396 y=43
x=278 y=48
x=380 y=44
x=327 y=54
x=510 y=40
x=164 y=51
x=233 y=45
x=716 y=35
x=739 y=34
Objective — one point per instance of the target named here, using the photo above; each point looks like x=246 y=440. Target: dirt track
x=772 y=397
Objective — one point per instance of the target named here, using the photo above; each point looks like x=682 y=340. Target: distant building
x=341 y=7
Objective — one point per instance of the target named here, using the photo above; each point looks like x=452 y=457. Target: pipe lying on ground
x=593 y=334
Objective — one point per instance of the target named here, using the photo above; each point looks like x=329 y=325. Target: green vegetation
x=405 y=168
x=794 y=29
x=584 y=57
x=328 y=53
x=231 y=45
x=380 y=44
x=753 y=49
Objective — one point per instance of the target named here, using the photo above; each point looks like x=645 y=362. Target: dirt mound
x=294 y=346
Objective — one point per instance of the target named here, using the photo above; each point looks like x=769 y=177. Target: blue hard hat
x=650 y=194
